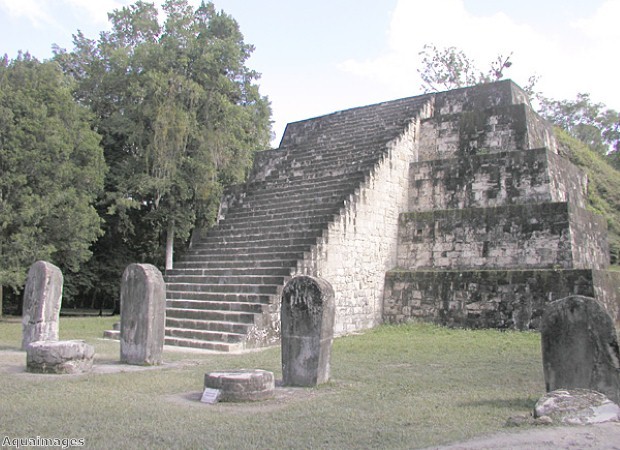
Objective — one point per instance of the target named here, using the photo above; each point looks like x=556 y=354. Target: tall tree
x=592 y=123
x=181 y=116
x=52 y=169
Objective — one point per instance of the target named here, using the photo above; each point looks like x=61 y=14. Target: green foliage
x=52 y=170
x=181 y=117
x=604 y=185
x=592 y=123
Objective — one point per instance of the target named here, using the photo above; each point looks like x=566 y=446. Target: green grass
x=407 y=386
x=603 y=188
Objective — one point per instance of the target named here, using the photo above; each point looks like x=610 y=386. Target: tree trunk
x=170 y=245
x=0 y=301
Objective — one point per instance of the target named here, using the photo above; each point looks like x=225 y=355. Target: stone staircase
x=224 y=294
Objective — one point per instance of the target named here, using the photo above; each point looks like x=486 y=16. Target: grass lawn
x=409 y=386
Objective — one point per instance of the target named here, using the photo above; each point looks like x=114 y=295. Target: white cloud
x=33 y=10
x=42 y=13
x=603 y=25
x=582 y=60
x=97 y=10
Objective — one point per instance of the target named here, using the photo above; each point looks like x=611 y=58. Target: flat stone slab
x=577 y=407
x=242 y=385
x=59 y=357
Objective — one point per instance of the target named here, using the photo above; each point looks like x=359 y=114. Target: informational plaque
x=210 y=396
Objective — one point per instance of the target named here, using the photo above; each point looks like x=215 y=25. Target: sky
x=320 y=56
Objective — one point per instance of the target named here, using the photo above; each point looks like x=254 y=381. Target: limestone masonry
x=452 y=207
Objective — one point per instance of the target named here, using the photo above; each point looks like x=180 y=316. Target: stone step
x=322 y=173
x=219 y=316
x=299 y=213
x=203 y=335
x=220 y=279
x=112 y=334
x=227 y=228
x=287 y=186
x=205 y=345
x=299 y=209
x=232 y=271
x=270 y=289
x=317 y=196
x=208 y=325
x=250 y=246
x=236 y=264
x=219 y=296
x=249 y=258
x=257 y=308
x=267 y=236
x=272 y=225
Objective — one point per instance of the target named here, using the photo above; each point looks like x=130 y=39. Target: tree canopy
x=181 y=116
x=52 y=170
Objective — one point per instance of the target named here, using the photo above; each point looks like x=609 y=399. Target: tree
x=180 y=115
x=450 y=68
x=592 y=123
x=52 y=170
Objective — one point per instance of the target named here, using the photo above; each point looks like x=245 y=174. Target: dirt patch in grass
x=14 y=362
x=604 y=436
x=283 y=396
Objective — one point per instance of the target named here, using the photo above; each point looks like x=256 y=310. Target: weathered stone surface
x=497 y=179
x=513 y=299
x=536 y=236
x=577 y=407
x=307 y=331
x=42 y=301
x=580 y=347
x=60 y=357
x=143 y=315
x=329 y=200
x=242 y=385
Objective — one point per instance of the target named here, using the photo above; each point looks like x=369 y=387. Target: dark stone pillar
x=42 y=301
x=580 y=347
x=307 y=319
x=143 y=315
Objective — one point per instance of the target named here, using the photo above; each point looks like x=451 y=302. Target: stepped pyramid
x=451 y=207
x=497 y=224
x=225 y=293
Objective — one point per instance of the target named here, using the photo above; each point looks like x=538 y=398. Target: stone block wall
x=470 y=132
x=498 y=225
x=487 y=180
x=516 y=236
x=547 y=235
x=491 y=298
x=588 y=239
x=359 y=246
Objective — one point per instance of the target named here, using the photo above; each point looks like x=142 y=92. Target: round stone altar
x=59 y=357
x=242 y=385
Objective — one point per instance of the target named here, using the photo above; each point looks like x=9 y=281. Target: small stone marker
x=60 y=357
x=580 y=347
x=241 y=385
x=143 y=315
x=307 y=319
x=42 y=301
x=211 y=396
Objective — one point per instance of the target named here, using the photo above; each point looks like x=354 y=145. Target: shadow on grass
x=513 y=403
x=12 y=348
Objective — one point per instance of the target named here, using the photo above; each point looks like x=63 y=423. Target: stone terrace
x=225 y=293
x=452 y=207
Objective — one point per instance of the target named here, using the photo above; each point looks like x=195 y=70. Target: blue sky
x=320 y=56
